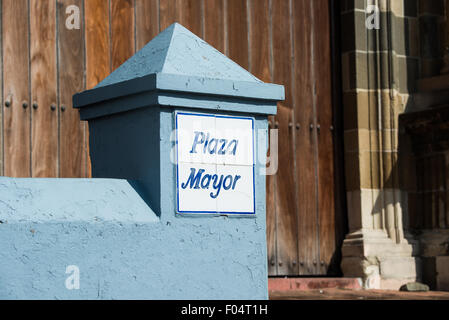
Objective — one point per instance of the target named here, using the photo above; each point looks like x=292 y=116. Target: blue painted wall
x=123 y=232
x=124 y=249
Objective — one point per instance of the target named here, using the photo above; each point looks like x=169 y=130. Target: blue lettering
x=228 y=178
x=222 y=149
x=206 y=142
x=213 y=146
x=213 y=142
x=216 y=186
x=235 y=142
x=205 y=182
x=235 y=181
x=194 y=180
x=197 y=141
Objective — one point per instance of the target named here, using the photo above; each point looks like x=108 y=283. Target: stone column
x=377 y=73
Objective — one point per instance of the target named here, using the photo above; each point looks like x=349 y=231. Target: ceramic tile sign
x=215 y=164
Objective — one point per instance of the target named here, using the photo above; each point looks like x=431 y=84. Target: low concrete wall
x=122 y=249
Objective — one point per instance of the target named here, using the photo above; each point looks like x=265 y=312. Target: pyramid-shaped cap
x=177 y=68
x=178 y=51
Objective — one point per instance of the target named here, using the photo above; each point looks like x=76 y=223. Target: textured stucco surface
x=90 y=200
x=122 y=249
x=194 y=259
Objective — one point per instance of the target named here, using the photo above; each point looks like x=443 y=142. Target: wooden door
x=304 y=229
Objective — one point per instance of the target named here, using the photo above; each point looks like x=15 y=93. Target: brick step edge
x=294 y=284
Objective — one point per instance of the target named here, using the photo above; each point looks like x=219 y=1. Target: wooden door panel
x=326 y=203
x=98 y=48
x=147 y=21
x=73 y=161
x=44 y=133
x=281 y=38
x=301 y=196
x=259 y=58
x=214 y=22
x=306 y=170
x=237 y=32
x=167 y=13
x=190 y=16
x=286 y=201
x=285 y=196
x=259 y=39
x=98 y=45
x=16 y=119
x=122 y=31
x=271 y=220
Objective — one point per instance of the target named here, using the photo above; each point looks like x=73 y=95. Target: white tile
x=194 y=195
x=236 y=140
x=193 y=133
x=236 y=193
x=215 y=164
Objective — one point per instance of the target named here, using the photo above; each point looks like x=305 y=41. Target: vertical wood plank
x=147 y=21
x=122 y=31
x=44 y=136
x=15 y=35
x=286 y=201
x=72 y=132
x=168 y=13
x=214 y=24
x=271 y=213
x=282 y=48
x=259 y=38
x=326 y=183
x=97 y=41
x=98 y=50
x=340 y=216
x=186 y=12
x=305 y=138
x=237 y=31
x=190 y=15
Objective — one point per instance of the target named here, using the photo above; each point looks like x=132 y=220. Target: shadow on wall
x=418 y=188
x=425 y=154
x=423 y=134
x=341 y=228
x=395 y=66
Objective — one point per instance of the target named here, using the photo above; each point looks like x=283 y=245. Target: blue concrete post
x=126 y=233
